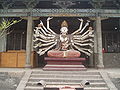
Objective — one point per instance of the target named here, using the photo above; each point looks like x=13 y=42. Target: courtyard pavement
x=110 y=75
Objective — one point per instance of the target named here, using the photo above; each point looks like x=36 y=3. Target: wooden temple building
x=16 y=49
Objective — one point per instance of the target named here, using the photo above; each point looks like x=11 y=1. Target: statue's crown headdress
x=64 y=24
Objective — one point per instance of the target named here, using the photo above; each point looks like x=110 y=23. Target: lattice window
x=16 y=41
x=111 y=42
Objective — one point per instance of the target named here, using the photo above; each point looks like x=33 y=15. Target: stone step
x=65 y=81
x=64 y=59
x=92 y=84
x=96 y=88
x=34 y=88
x=64 y=63
x=63 y=69
x=65 y=76
x=86 y=88
x=66 y=72
x=64 y=66
x=62 y=79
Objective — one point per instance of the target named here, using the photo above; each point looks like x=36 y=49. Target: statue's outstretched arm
x=42 y=25
x=42 y=40
x=43 y=50
x=89 y=50
x=84 y=26
x=84 y=36
x=88 y=35
x=45 y=38
x=83 y=41
x=48 y=25
x=46 y=44
x=84 y=44
x=80 y=30
x=39 y=33
x=80 y=27
x=44 y=30
x=81 y=50
x=85 y=33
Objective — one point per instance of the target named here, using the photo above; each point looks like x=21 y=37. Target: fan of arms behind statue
x=66 y=45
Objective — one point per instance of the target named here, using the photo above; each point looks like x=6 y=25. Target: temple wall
x=111 y=60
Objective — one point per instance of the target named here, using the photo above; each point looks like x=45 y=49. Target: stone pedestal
x=64 y=64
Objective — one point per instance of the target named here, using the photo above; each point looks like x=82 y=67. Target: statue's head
x=64 y=28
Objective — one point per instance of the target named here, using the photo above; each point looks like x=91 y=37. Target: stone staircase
x=66 y=78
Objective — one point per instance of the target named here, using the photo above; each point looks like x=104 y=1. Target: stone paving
x=116 y=81
x=10 y=77
x=10 y=80
x=115 y=78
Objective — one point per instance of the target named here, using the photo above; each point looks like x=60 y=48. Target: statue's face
x=64 y=30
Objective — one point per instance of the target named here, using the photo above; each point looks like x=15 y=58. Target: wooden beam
x=60 y=12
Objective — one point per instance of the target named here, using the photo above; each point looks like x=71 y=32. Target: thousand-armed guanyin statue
x=67 y=45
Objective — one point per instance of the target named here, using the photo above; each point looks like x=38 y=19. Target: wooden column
x=99 y=43
x=29 y=42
